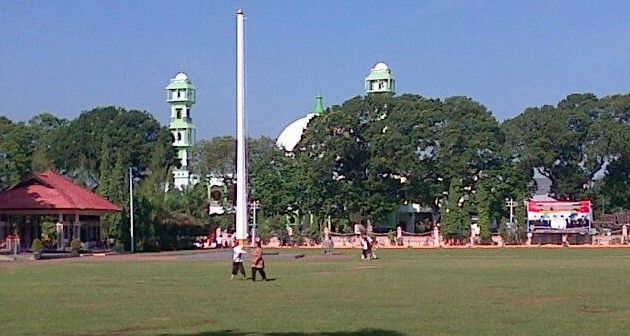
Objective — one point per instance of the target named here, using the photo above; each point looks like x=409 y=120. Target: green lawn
x=507 y=291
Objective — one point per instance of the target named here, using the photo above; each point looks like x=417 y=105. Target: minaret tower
x=319 y=105
x=181 y=96
x=380 y=80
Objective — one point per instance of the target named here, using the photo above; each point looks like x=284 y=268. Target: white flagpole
x=241 y=164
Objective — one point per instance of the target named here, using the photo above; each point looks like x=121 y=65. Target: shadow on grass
x=363 y=332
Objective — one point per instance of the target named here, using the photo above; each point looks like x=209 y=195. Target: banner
x=559 y=214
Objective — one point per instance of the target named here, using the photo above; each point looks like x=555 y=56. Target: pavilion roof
x=48 y=192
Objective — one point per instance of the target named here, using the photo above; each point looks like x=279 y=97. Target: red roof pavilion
x=49 y=192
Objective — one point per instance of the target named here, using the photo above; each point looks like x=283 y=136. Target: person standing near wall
x=258 y=263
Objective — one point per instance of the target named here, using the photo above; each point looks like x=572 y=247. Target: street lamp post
x=254 y=205
x=511 y=204
x=131 y=208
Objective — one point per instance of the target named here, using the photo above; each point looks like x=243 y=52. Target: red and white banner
x=559 y=214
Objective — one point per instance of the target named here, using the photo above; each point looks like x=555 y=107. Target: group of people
x=257 y=261
x=367 y=247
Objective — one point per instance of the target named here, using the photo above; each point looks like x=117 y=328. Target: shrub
x=391 y=236
x=37 y=245
x=75 y=244
x=49 y=233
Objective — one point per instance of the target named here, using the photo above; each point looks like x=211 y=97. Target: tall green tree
x=17 y=145
x=46 y=128
x=455 y=219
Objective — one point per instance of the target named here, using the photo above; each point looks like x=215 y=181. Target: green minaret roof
x=319 y=104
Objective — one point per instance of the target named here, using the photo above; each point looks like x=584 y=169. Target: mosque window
x=188 y=113
x=178 y=113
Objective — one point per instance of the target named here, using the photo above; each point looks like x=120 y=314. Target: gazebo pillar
x=77 y=227
x=3 y=229
x=59 y=227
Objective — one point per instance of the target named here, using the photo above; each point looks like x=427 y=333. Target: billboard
x=559 y=215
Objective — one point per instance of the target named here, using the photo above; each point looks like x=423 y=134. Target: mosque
x=181 y=97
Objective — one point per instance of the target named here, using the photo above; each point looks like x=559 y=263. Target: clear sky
x=65 y=57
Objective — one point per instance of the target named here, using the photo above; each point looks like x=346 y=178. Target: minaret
x=380 y=80
x=319 y=105
x=181 y=97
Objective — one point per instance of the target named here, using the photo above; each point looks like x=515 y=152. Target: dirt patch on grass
x=363 y=267
x=334 y=257
x=322 y=273
x=541 y=300
x=131 y=330
x=594 y=310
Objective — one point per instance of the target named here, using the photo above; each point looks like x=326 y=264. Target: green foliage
x=49 y=233
x=45 y=127
x=225 y=221
x=17 y=144
x=215 y=156
x=572 y=142
x=37 y=245
x=130 y=132
x=366 y=156
x=455 y=219
x=483 y=213
x=272 y=226
x=105 y=169
x=75 y=244
x=391 y=235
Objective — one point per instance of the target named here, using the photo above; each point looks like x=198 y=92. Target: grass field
x=508 y=291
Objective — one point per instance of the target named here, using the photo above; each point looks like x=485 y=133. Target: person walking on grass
x=365 y=254
x=258 y=263
x=371 y=247
x=237 y=260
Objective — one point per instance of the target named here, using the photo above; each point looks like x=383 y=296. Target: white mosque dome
x=181 y=76
x=380 y=66
x=292 y=134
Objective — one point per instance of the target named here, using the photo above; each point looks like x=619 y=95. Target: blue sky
x=65 y=57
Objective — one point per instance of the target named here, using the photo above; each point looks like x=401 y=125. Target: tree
x=17 y=144
x=45 y=127
x=455 y=219
x=105 y=168
x=77 y=153
x=552 y=140
x=216 y=156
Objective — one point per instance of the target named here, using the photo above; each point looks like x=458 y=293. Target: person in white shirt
x=364 y=248
x=237 y=260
